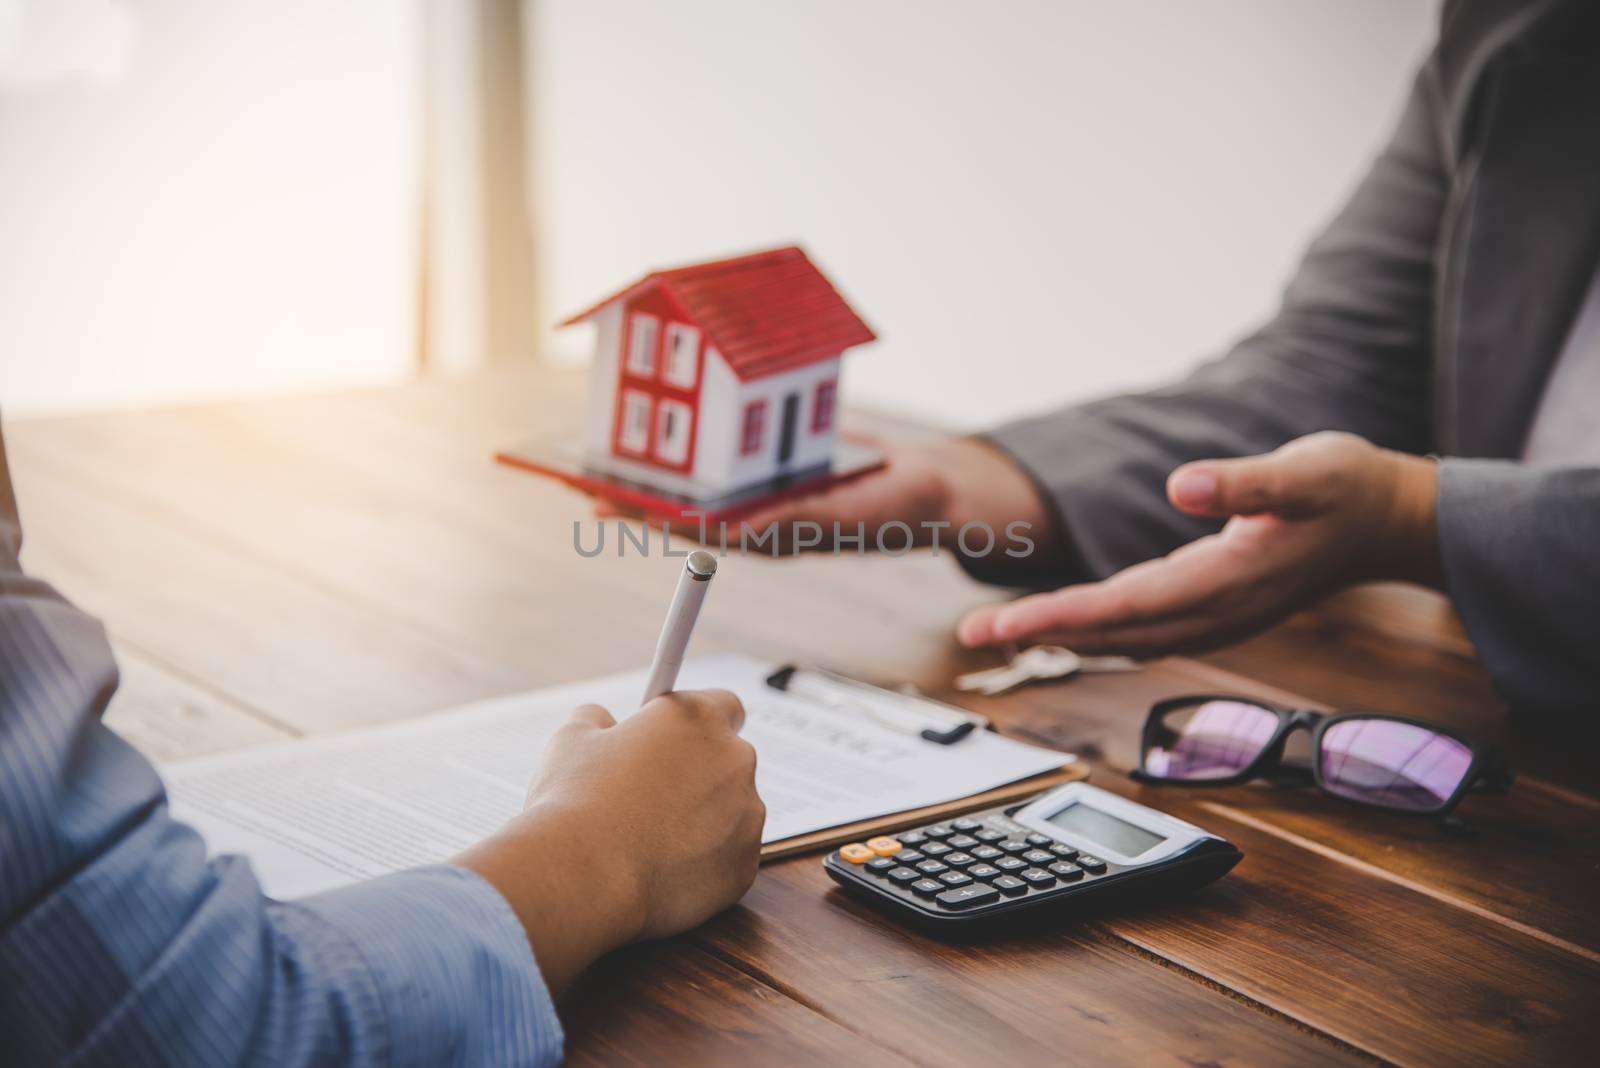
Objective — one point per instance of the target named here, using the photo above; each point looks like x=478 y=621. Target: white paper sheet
x=322 y=812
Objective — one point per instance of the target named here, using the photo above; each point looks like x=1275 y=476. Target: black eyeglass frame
x=1489 y=773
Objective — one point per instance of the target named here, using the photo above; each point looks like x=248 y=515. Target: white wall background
x=1031 y=201
x=202 y=198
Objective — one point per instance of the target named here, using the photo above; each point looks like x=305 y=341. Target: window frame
x=666 y=407
x=753 y=427
x=624 y=441
x=635 y=349
x=669 y=349
x=824 y=405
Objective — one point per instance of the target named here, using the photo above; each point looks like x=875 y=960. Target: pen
x=681 y=614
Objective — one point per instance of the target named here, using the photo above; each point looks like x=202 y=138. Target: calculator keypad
x=970 y=863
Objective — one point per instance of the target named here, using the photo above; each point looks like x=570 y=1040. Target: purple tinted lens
x=1396 y=765
x=1209 y=740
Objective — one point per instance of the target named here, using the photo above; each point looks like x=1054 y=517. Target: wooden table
x=284 y=567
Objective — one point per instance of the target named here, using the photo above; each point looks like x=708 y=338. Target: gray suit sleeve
x=1347 y=350
x=1519 y=548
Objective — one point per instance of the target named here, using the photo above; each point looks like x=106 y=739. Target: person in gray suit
x=1424 y=406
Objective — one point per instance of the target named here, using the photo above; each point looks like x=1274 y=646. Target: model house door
x=791 y=416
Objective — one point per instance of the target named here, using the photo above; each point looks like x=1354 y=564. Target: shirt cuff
x=452 y=965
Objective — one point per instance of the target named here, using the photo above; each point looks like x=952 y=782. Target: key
x=1010 y=885
x=968 y=897
x=884 y=846
x=1039 y=663
x=1035 y=877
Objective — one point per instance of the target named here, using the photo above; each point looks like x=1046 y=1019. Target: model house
x=719 y=378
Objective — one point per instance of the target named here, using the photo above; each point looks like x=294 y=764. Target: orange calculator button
x=856 y=853
x=884 y=847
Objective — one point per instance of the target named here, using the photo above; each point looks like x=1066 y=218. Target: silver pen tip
x=701 y=564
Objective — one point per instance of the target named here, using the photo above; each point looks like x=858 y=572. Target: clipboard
x=930 y=719
x=894 y=821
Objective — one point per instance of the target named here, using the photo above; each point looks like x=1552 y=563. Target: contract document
x=318 y=813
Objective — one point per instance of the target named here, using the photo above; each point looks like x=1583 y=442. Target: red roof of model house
x=765 y=312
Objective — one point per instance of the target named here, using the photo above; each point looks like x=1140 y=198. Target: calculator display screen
x=1118 y=835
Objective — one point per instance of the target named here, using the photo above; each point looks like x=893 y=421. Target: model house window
x=672 y=432
x=635 y=436
x=755 y=418
x=822 y=406
x=683 y=345
x=642 y=345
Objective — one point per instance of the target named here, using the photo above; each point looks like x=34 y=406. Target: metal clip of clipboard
x=931 y=720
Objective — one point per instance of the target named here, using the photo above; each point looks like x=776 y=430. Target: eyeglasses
x=1372 y=759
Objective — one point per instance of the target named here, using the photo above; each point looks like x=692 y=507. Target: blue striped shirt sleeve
x=122 y=944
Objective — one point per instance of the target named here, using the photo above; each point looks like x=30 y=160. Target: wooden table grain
x=278 y=568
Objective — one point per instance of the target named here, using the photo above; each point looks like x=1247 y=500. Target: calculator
x=1062 y=851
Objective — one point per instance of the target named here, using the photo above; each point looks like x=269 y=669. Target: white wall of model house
x=720 y=464
x=724 y=397
x=599 y=414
